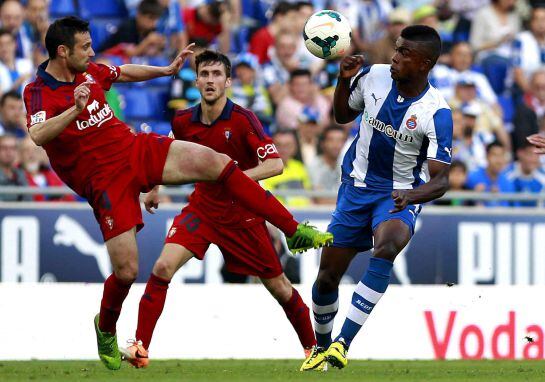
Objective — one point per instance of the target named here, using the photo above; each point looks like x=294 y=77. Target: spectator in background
x=368 y=19
x=457 y=182
x=489 y=179
x=325 y=171
x=382 y=51
x=526 y=175
x=12 y=115
x=35 y=26
x=305 y=9
x=10 y=175
x=283 y=18
x=529 y=50
x=445 y=78
x=38 y=173
x=295 y=176
x=302 y=92
x=138 y=36
x=284 y=60
x=530 y=113
x=15 y=73
x=488 y=121
x=494 y=28
x=246 y=91
x=172 y=26
x=469 y=145
x=12 y=16
x=209 y=22
x=308 y=132
x=429 y=15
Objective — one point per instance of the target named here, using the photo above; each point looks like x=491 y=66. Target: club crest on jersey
x=109 y=222
x=89 y=78
x=411 y=122
x=172 y=232
x=227 y=133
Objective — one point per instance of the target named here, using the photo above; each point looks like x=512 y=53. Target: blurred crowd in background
x=491 y=72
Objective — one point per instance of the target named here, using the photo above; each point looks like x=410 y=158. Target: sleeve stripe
x=254 y=122
x=362 y=73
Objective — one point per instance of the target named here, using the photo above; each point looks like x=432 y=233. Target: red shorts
x=117 y=205
x=247 y=251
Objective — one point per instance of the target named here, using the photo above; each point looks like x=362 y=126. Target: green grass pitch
x=276 y=370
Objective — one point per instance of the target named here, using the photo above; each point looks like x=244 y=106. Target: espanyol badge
x=411 y=122
x=227 y=133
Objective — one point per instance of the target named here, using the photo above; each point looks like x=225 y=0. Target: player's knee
x=327 y=282
x=164 y=269
x=218 y=164
x=387 y=251
x=281 y=289
x=127 y=273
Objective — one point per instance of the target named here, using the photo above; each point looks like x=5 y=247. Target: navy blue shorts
x=358 y=213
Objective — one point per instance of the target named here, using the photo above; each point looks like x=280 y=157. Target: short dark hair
x=490 y=146
x=458 y=164
x=212 y=56
x=62 y=32
x=300 y=73
x=10 y=94
x=427 y=37
x=282 y=8
x=151 y=8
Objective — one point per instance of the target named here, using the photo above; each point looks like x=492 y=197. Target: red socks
x=114 y=294
x=254 y=198
x=151 y=307
x=299 y=316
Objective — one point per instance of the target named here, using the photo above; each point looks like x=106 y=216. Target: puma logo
x=375 y=98
x=69 y=232
x=448 y=152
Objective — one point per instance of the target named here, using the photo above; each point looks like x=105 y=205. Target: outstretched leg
x=189 y=162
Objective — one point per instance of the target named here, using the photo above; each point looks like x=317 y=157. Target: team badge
x=227 y=133
x=411 y=122
x=172 y=232
x=89 y=78
x=110 y=222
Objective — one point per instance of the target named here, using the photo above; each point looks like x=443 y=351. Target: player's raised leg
x=391 y=237
x=152 y=302
x=124 y=257
x=325 y=300
x=189 y=162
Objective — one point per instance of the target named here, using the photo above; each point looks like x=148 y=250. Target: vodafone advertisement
x=232 y=321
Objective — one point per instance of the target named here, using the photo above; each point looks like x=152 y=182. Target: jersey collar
x=224 y=116
x=49 y=79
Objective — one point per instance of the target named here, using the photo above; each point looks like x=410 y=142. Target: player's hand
x=401 y=200
x=151 y=200
x=538 y=141
x=176 y=65
x=81 y=95
x=350 y=65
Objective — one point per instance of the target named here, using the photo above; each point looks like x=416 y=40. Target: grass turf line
x=276 y=370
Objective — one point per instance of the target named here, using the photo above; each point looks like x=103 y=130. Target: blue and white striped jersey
x=397 y=135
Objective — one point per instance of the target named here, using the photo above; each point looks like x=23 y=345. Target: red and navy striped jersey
x=238 y=133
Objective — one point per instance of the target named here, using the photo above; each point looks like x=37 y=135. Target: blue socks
x=324 y=307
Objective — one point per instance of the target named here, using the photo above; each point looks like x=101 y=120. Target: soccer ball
x=327 y=34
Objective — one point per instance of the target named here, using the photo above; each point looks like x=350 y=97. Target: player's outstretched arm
x=266 y=169
x=136 y=73
x=435 y=188
x=350 y=65
x=43 y=132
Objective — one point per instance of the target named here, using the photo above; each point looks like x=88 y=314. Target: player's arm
x=435 y=188
x=136 y=73
x=268 y=168
x=538 y=141
x=350 y=65
x=43 y=132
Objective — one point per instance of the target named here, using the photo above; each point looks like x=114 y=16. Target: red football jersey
x=90 y=149
x=238 y=133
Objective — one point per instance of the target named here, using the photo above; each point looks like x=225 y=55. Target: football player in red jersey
x=99 y=157
x=214 y=214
